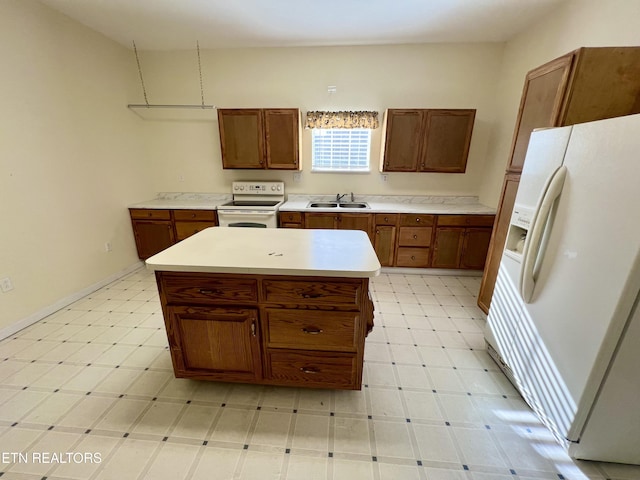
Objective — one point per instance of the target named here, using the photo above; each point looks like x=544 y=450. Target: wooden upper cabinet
x=427 y=140
x=582 y=86
x=540 y=104
x=446 y=140
x=403 y=138
x=241 y=138
x=260 y=138
x=282 y=138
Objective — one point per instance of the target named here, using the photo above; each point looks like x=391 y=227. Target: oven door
x=247 y=218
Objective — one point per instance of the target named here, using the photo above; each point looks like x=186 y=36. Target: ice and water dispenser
x=518 y=230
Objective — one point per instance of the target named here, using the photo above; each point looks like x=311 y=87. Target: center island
x=274 y=306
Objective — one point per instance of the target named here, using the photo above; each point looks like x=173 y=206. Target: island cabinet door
x=214 y=343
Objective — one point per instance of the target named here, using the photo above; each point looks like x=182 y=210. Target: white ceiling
x=178 y=24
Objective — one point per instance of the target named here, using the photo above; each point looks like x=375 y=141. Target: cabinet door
x=447 y=248
x=403 y=140
x=282 y=142
x=544 y=90
x=320 y=220
x=498 y=239
x=384 y=242
x=220 y=343
x=474 y=248
x=446 y=140
x=356 y=221
x=241 y=138
x=152 y=236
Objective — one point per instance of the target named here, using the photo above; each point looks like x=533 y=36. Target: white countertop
x=442 y=205
x=188 y=201
x=272 y=251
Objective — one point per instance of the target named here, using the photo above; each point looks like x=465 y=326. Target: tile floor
x=88 y=393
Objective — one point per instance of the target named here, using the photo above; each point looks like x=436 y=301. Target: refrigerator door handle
x=534 y=238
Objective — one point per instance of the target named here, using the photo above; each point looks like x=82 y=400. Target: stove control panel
x=258 y=188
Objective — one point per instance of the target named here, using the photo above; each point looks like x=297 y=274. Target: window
x=340 y=149
x=341 y=141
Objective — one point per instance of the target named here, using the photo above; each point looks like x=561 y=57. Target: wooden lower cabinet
x=462 y=241
x=290 y=220
x=214 y=342
x=278 y=330
x=157 y=229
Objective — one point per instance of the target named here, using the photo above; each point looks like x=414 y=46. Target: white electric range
x=254 y=204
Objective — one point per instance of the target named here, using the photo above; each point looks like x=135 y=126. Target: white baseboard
x=63 y=302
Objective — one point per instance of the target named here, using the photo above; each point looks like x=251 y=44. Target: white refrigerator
x=564 y=320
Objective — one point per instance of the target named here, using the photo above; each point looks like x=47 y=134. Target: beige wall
x=575 y=24
x=71 y=158
x=371 y=78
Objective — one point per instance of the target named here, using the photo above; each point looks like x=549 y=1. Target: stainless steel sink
x=323 y=205
x=353 y=205
x=335 y=204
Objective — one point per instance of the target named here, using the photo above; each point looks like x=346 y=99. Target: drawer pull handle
x=309 y=370
x=312 y=331
x=311 y=295
x=204 y=291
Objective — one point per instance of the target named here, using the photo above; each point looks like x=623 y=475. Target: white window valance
x=362 y=119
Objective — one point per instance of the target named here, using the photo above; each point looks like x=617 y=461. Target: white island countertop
x=272 y=251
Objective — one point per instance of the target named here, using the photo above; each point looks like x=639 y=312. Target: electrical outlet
x=6 y=285
x=181 y=178
x=297 y=177
x=385 y=178
x=108 y=247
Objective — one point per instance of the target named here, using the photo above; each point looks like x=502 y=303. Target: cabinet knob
x=193 y=215
x=386 y=219
x=151 y=214
x=413 y=257
x=377 y=232
x=415 y=237
x=418 y=220
x=253 y=329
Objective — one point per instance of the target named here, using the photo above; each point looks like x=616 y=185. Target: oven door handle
x=247 y=212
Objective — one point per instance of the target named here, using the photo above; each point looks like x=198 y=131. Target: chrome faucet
x=352 y=198
x=339 y=197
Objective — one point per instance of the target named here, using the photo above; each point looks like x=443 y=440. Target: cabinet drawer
x=412 y=257
x=194 y=288
x=465 y=220
x=416 y=220
x=151 y=213
x=414 y=236
x=186 y=229
x=311 y=330
x=386 y=218
x=291 y=217
x=310 y=292
x=203 y=215
x=313 y=369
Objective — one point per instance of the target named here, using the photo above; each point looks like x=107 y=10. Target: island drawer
x=312 y=292
x=416 y=220
x=415 y=236
x=313 y=369
x=291 y=217
x=186 y=229
x=150 y=213
x=202 y=215
x=412 y=257
x=195 y=288
x=311 y=330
